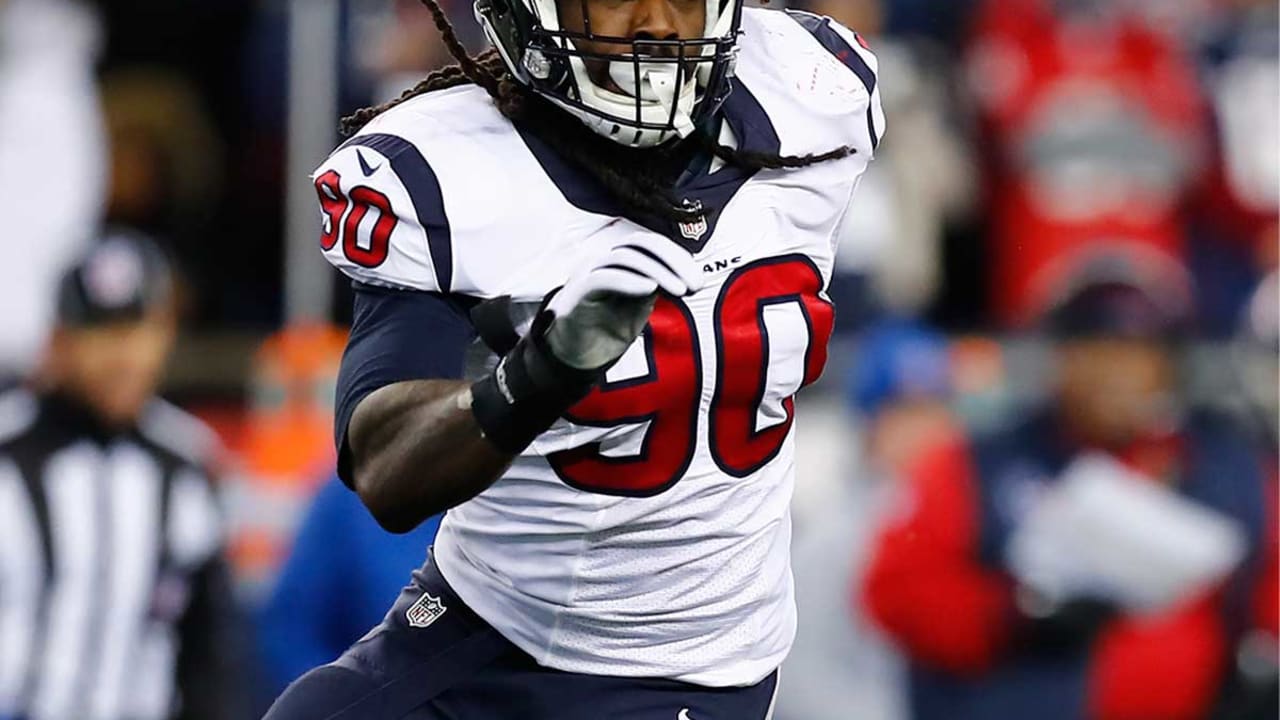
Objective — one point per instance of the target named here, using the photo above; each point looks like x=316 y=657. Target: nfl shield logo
x=694 y=229
x=425 y=611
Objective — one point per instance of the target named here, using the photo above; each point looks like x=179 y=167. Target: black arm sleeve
x=398 y=335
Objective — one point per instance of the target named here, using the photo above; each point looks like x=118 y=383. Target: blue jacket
x=342 y=576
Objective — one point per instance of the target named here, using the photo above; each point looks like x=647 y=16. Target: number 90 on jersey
x=757 y=371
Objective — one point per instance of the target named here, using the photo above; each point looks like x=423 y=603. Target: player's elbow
x=390 y=518
x=396 y=523
x=392 y=512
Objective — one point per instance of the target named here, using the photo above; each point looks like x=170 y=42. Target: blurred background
x=1039 y=476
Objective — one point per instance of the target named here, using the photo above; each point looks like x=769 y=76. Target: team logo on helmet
x=425 y=611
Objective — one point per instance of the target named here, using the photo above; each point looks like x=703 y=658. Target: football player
x=590 y=270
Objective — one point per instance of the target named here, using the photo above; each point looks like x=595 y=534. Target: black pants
x=454 y=666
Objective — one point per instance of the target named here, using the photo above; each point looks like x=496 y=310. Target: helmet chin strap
x=657 y=84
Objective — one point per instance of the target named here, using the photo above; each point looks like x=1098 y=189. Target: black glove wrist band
x=528 y=391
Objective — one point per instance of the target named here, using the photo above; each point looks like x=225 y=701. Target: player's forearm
x=417 y=451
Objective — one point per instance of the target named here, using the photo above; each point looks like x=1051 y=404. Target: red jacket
x=955 y=614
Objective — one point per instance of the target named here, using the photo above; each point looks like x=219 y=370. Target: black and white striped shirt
x=111 y=585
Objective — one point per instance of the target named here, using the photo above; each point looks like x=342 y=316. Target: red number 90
x=668 y=398
x=334 y=204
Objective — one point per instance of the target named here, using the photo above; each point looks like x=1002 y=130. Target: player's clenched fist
x=587 y=325
x=599 y=313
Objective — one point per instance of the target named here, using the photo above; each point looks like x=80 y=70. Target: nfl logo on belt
x=425 y=611
x=694 y=229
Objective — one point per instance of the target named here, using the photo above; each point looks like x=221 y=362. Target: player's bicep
x=382 y=215
x=397 y=335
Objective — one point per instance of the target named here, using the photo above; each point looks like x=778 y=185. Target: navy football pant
x=460 y=668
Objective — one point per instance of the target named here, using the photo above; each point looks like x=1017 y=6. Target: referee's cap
x=120 y=279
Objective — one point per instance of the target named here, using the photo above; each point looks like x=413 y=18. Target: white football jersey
x=647 y=533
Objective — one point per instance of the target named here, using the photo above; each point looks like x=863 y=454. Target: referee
x=114 y=602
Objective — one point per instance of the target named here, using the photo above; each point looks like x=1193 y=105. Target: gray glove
x=587 y=326
x=599 y=313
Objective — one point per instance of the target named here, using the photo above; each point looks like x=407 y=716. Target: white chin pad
x=651 y=76
x=657 y=85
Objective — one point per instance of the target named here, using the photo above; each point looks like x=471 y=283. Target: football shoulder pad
x=816 y=79
x=436 y=195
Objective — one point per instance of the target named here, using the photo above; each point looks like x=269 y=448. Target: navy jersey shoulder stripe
x=423 y=186
x=820 y=28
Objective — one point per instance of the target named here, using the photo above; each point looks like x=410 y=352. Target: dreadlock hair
x=646 y=188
